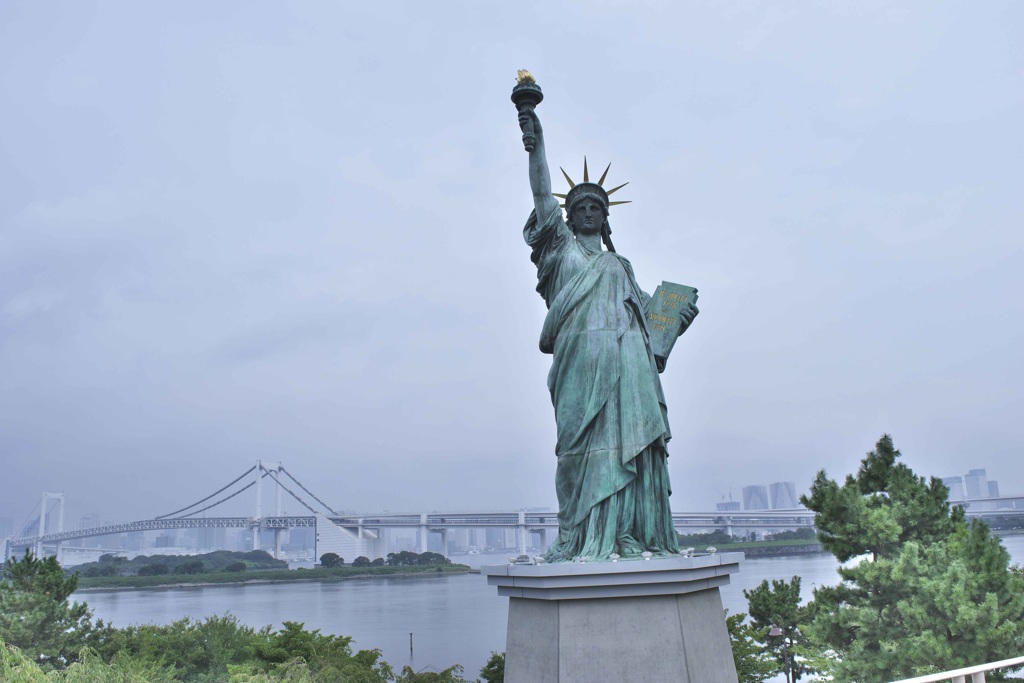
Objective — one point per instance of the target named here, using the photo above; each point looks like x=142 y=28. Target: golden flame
x=524 y=76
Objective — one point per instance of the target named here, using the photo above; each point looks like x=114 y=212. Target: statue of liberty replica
x=603 y=334
x=587 y=614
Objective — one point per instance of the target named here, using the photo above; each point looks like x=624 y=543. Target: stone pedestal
x=617 y=622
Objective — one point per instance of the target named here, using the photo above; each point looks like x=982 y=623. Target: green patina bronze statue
x=609 y=340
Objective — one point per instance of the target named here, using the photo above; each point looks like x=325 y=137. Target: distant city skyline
x=973 y=484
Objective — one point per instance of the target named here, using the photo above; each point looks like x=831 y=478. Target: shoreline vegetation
x=769 y=548
x=223 y=567
x=798 y=542
x=325 y=574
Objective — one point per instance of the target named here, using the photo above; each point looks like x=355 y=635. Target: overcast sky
x=292 y=231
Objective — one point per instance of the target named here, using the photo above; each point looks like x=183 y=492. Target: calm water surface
x=453 y=619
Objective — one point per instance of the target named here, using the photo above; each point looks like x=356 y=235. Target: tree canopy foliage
x=882 y=508
x=159 y=565
x=753 y=664
x=406 y=558
x=776 y=606
x=220 y=649
x=331 y=560
x=932 y=592
x=805 y=534
x=36 y=615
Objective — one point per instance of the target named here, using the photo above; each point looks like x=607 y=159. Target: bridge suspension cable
x=226 y=498
x=293 y=494
x=200 y=502
x=29 y=521
x=308 y=491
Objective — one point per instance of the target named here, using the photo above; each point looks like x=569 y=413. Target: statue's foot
x=627 y=546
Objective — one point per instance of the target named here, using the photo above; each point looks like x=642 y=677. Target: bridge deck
x=746 y=519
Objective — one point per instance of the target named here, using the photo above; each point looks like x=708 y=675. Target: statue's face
x=587 y=217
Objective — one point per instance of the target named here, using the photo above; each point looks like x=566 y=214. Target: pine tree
x=776 y=606
x=933 y=592
x=494 y=670
x=36 y=615
x=752 y=664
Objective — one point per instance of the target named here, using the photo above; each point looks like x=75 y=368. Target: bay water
x=453 y=619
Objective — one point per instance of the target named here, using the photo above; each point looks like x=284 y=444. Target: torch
x=527 y=95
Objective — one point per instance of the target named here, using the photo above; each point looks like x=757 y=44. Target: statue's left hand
x=688 y=314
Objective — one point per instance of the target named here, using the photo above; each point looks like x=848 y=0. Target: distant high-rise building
x=458 y=539
x=6 y=527
x=133 y=540
x=976 y=483
x=495 y=538
x=205 y=539
x=166 y=539
x=783 y=495
x=434 y=544
x=89 y=521
x=993 y=489
x=728 y=506
x=755 y=497
x=956 y=488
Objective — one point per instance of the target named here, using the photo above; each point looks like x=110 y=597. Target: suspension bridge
x=351 y=535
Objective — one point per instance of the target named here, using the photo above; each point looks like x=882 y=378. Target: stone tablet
x=663 y=319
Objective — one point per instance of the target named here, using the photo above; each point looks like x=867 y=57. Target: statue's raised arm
x=527 y=95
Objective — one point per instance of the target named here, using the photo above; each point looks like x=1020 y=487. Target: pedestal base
x=617 y=622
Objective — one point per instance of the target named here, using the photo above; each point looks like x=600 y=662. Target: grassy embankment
x=767 y=548
x=798 y=542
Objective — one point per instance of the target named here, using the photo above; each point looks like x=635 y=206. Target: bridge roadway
x=439 y=522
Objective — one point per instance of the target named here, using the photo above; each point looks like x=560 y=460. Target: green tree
x=258 y=556
x=154 y=569
x=361 y=561
x=431 y=558
x=753 y=665
x=15 y=667
x=35 y=614
x=198 y=651
x=933 y=592
x=776 y=615
x=235 y=567
x=331 y=560
x=190 y=567
x=328 y=657
x=881 y=508
x=106 y=569
x=90 y=668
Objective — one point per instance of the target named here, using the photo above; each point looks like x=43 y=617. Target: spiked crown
x=596 y=190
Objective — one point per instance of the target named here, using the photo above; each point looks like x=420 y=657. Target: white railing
x=970 y=674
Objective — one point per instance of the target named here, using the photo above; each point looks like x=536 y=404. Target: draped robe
x=611 y=479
